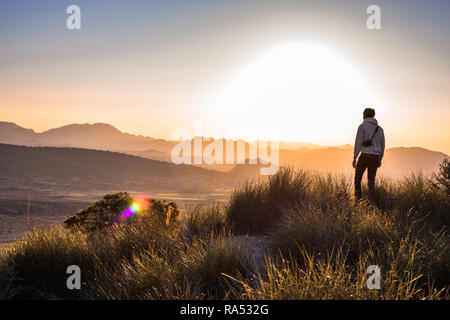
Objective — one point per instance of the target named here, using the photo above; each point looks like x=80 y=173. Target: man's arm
x=382 y=147
x=358 y=144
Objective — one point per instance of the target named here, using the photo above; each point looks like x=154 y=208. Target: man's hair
x=369 y=113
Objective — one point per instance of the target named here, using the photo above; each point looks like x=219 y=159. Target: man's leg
x=359 y=172
x=371 y=173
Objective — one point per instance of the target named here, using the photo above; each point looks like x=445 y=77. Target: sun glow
x=302 y=91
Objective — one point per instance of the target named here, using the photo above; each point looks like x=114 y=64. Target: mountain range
x=101 y=136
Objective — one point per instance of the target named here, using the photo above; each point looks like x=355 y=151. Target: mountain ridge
x=6 y=128
x=102 y=136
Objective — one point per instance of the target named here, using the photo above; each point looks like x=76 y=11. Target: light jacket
x=365 y=132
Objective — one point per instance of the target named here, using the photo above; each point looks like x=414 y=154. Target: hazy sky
x=305 y=69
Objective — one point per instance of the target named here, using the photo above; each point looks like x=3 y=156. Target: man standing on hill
x=370 y=142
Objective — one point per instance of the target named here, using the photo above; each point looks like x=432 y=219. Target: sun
x=304 y=92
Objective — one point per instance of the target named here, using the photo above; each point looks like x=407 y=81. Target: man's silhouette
x=370 y=142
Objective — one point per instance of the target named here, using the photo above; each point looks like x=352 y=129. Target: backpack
x=368 y=143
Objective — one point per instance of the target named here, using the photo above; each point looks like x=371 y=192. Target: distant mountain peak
x=105 y=127
x=12 y=125
x=10 y=129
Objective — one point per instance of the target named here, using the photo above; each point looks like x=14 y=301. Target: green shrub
x=109 y=212
x=101 y=214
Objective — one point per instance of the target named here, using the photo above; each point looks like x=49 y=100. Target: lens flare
x=139 y=204
x=128 y=213
x=135 y=207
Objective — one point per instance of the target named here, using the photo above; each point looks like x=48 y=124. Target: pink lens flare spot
x=128 y=213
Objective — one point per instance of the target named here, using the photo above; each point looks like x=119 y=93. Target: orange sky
x=153 y=73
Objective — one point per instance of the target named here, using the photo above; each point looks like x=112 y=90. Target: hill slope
x=82 y=169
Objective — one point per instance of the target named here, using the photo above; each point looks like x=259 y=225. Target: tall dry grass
x=315 y=242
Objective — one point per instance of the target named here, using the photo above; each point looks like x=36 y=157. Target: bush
x=101 y=214
x=166 y=212
x=109 y=211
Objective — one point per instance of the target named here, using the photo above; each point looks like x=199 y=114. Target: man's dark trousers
x=370 y=162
